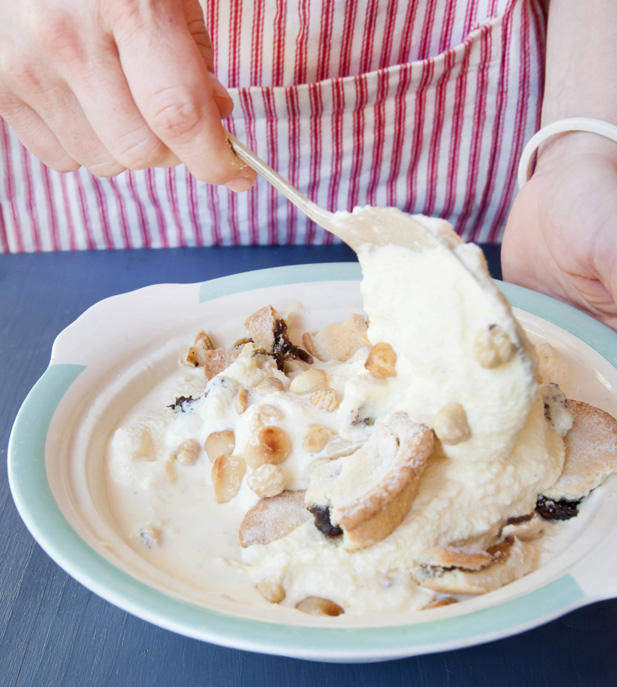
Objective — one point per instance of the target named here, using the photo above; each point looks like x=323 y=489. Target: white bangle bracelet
x=592 y=126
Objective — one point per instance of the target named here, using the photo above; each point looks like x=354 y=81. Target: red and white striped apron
x=420 y=104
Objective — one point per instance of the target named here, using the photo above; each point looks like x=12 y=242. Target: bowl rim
x=41 y=514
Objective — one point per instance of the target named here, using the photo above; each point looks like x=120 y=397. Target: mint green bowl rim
x=42 y=516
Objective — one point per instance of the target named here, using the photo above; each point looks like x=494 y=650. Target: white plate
x=117 y=349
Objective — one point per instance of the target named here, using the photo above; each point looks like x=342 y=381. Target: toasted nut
x=272 y=590
x=149 y=536
x=291 y=367
x=227 y=473
x=267 y=480
x=269 y=385
x=325 y=399
x=315 y=605
x=493 y=347
x=273 y=518
x=188 y=452
x=269 y=444
x=268 y=415
x=450 y=424
x=315 y=438
x=308 y=381
x=242 y=401
x=219 y=443
x=381 y=361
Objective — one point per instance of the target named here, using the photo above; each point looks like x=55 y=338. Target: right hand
x=114 y=85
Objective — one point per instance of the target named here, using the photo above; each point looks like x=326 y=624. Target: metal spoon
x=366 y=226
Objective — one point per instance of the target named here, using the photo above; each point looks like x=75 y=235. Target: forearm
x=581 y=60
x=581 y=76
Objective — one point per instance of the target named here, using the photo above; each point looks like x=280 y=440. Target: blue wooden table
x=55 y=632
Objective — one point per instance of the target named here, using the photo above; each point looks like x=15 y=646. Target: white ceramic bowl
x=116 y=350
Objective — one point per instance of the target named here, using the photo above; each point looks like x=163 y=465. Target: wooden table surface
x=53 y=631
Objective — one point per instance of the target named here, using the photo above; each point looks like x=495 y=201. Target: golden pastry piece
x=260 y=327
x=511 y=558
x=195 y=355
x=366 y=495
x=591 y=453
x=217 y=360
x=337 y=341
x=455 y=557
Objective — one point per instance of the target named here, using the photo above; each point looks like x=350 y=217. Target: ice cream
x=367 y=468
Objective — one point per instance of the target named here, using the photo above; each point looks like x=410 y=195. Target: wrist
x=571 y=146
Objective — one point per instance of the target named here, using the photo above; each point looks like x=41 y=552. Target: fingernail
x=240 y=184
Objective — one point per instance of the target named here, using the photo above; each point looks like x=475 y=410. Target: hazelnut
x=293 y=367
x=219 y=443
x=266 y=480
x=227 y=473
x=272 y=590
x=242 y=401
x=316 y=438
x=269 y=385
x=493 y=347
x=381 y=361
x=268 y=444
x=325 y=399
x=267 y=415
x=315 y=605
x=450 y=424
x=188 y=452
x=308 y=381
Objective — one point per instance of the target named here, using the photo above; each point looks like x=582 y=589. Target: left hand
x=561 y=235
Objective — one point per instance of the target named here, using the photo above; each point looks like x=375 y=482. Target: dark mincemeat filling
x=556 y=510
x=323 y=523
x=283 y=349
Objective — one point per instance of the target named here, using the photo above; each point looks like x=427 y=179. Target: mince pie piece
x=367 y=494
x=591 y=453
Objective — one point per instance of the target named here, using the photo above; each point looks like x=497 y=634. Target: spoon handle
x=320 y=216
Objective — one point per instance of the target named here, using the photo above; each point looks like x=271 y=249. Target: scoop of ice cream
x=458 y=346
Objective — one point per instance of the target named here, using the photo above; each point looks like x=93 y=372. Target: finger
x=176 y=99
x=103 y=93
x=66 y=119
x=196 y=25
x=52 y=100
x=35 y=135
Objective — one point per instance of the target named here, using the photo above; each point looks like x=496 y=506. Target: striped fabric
x=420 y=104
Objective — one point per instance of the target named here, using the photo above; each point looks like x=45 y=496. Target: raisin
x=283 y=349
x=323 y=522
x=518 y=519
x=556 y=510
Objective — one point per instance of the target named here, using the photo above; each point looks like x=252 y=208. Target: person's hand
x=115 y=84
x=561 y=236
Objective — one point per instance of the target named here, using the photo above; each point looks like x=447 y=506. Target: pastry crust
x=591 y=453
x=455 y=557
x=369 y=492
x=511 y=559
x=260 y=327
x=337 y=341
x=217 y=360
